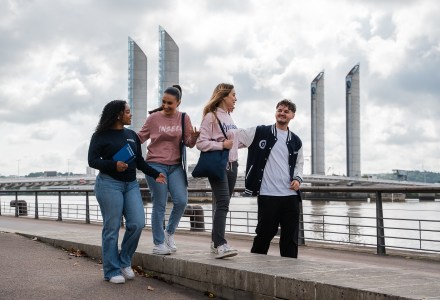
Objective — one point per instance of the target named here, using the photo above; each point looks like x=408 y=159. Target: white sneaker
x=117 y=279
x=161 y=249
x=169 y=241
x=213 y=249
x=128 y=273
x=225 y=250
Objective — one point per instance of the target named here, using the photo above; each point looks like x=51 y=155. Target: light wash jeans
x=116 y=199
x=222 y=190
x=176 y=185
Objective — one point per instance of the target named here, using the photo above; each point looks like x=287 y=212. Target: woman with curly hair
x=116 y=188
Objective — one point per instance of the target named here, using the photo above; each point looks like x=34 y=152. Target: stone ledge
x=255 y=276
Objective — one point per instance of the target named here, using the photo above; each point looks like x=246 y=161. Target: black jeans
x=222 y=190
x=274 y=211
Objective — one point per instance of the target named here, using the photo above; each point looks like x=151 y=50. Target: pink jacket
x=211 y=136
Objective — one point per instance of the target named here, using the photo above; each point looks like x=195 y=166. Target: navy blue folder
x=125 y=154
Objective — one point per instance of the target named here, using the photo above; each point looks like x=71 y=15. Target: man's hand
x=294 y=185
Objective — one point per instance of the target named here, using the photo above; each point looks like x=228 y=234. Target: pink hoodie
x=211 y=136
x=165 y=133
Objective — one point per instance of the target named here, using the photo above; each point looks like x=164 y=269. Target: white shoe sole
x=226 y=255
x=116 y=281
x=161 y=253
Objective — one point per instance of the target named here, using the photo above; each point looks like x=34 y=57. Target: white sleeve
x=246 y=136
x=298 y=172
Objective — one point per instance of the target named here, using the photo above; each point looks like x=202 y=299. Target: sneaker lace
x=171 y=239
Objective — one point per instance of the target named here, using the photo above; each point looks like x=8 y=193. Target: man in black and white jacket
x=274 y=173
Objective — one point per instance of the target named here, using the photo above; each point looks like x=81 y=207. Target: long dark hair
x=174 y=90
x=110 y=114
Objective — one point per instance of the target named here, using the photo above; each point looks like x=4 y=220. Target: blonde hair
x=221 y=91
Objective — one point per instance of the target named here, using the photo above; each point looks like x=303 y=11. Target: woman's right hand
x=121 y=166
x=227 y=144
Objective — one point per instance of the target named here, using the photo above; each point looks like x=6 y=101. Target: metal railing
x=320 y=227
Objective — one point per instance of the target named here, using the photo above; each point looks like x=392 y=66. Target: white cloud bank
x=62 y=61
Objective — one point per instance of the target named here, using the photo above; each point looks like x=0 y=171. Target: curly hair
x=110 y=114
x=221 y=91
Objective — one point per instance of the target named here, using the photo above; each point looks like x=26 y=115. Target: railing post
x=380 y=232
x=420 y=234
x=301 y=239
x=60 y=215
x=247 y=221
x=36 y=206
x=87 y=208
x=16 y=204
x=349 y=229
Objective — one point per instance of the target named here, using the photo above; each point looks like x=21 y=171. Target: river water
x=410 y=224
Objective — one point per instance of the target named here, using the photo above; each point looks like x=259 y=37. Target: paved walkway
x=318 y=273
x=34 y=270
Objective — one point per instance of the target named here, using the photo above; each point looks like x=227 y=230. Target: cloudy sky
x=62 y=61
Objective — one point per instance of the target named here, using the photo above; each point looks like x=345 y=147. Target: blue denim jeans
x=222 y=190
x=116 y=199
x=176 y=185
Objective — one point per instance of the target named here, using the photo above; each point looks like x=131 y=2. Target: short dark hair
x=286 y=102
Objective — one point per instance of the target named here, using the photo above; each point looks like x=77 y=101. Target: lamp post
x=18 y=168
x=68 y=167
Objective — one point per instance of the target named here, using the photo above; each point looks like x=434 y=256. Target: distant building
x=168 y=63
x=318 y=118
x=137 y=86
x=50 y=173
x=90 y=171
x=401 y=174
x=353 y=122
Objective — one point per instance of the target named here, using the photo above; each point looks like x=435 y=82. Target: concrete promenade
x=320 y=272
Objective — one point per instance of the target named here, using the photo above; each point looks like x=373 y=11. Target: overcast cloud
x=62 y=61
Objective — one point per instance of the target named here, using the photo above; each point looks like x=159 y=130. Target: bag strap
x=182 y=142
x=220 y=124
x=183 y=148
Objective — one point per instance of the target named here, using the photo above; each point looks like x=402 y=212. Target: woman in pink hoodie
x=211 y=137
